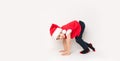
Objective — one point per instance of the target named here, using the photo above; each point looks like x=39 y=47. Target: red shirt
x=74 y=26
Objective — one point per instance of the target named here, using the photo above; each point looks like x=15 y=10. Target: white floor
x=24 y=29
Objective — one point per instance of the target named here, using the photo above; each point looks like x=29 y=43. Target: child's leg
x=81 y=43
x=80 y=37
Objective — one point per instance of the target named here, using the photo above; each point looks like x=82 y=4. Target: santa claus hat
x=55 y=31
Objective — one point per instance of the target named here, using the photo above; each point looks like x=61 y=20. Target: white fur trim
x=68 y=31
x=56 y=33
x=64 y=31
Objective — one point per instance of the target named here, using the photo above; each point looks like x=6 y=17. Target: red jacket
x=74 y=26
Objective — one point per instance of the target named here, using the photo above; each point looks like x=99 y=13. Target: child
x=73 y=29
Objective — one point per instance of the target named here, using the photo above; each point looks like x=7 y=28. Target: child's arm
x=64 y=45
x=68 y=43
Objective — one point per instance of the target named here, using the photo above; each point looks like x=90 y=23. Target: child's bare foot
x=66 y=53
x=62 y=50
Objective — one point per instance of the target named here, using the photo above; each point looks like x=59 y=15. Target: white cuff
x=68 y=31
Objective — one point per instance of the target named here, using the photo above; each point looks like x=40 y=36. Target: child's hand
x=66 y=53
x=62 y=50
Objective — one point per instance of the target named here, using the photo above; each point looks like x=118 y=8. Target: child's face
x=61 y=36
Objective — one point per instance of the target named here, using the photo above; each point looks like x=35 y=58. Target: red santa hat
x=55 y=31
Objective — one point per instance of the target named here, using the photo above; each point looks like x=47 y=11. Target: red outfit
x=74 y=26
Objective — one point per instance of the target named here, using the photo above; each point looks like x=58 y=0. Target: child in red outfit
x=73 y=29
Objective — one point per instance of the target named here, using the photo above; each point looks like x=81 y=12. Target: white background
x=24 y=29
